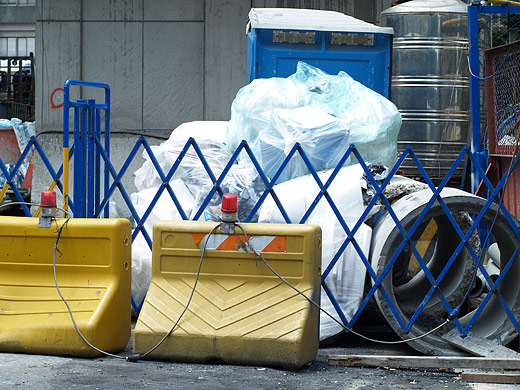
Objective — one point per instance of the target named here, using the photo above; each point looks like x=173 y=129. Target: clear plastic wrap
x=18 y=177
x=251 y=109
x=324 y=139
x=210 y=138
x=374 y=120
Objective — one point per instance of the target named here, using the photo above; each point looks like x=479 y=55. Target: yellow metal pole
x=65 y=179
x=4 y=190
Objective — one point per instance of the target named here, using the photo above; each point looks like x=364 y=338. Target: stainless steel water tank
x=430 y=83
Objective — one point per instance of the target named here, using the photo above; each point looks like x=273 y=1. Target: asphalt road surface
x=55 y=372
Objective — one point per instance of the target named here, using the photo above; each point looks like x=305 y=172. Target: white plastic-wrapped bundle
x=243 y=180
x=188 y=181
x=164 y=209
x=347 y=278
x=296 y=196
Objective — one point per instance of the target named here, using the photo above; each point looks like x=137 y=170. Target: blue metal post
x=107 y=145
x=79 y=162
x=474 y=88
x=97 y=174
x=90 y=158
x=87 y=121
x=474 y=11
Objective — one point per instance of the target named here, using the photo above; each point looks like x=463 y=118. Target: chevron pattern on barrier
x=237 y=309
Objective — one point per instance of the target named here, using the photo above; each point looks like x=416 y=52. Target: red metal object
x=10 y=153
x=503 y=119
x=9 y=150
x=511 y=191
x=503 y=98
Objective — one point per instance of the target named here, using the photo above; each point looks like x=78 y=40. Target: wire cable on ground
x=135 y=357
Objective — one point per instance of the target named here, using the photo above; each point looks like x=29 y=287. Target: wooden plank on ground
x=490 y=377
x=479 y=346
x=423 y=362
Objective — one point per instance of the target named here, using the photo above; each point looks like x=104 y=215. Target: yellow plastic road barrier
x=93 y=271
x=241 y=313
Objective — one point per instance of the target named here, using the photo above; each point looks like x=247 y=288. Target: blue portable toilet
x=280 y=37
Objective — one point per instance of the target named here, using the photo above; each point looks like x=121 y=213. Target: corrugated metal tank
x=430 y=83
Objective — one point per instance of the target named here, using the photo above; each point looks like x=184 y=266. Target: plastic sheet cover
x=373 y=120
x=324 y=138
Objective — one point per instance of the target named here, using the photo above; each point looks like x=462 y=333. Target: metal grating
x=503 y=98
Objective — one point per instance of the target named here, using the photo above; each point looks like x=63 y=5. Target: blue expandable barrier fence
x=413 y=305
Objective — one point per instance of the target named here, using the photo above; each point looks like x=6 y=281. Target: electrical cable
x=258 y=255
x=131 y=358
x=483 y=78
x=59 y=230
x=498 y=68
x=116 y=132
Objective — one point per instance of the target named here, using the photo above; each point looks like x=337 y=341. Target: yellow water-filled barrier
x=241 y=313
x=93 y=266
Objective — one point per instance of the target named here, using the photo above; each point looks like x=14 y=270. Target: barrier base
x=241 y=313
x=93 y=272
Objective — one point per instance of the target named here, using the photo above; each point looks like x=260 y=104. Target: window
x=16 y=46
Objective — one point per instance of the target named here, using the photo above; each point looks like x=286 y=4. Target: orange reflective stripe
x=277 y=245
x=198 y=237
x=236 y=242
